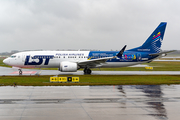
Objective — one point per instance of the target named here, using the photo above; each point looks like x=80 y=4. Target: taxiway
x=10 y=71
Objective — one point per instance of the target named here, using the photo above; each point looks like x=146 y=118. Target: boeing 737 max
x=71 y=61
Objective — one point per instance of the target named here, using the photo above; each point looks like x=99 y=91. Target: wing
x=100 y=61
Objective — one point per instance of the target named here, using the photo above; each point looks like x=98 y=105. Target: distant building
x=14 y=51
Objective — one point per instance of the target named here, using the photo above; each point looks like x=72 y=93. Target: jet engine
x=68 y=67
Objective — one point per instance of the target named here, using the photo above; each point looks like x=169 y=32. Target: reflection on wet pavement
x=154 y=93
x=137 y=102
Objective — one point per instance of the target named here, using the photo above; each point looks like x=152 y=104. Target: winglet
x=121 y=52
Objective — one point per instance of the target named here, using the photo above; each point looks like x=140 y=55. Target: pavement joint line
x=26 y=105
x=81 y=105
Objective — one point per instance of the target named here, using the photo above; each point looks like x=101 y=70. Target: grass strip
x=93 y=80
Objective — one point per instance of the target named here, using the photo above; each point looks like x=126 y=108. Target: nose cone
x=5 y=61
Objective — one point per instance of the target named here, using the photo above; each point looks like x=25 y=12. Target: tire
x=88 y=71
x=20 y=72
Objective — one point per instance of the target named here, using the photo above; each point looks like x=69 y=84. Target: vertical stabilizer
x=154 y=42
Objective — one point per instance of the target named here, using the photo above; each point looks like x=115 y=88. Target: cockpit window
x=13 y=56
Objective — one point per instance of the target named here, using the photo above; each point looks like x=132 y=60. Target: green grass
x=93 y=80
x=2 y=64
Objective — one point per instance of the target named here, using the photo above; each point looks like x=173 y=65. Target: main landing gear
x=20 y=71
x=87 y=71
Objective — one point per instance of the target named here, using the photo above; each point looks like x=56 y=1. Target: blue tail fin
x=154 y=42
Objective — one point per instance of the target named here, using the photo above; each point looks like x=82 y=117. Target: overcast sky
x=86 y=24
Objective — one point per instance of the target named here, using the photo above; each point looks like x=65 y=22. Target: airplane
x=71 y=61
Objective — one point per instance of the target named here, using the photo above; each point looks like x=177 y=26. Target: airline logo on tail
x=157 y=36
x=157 y=41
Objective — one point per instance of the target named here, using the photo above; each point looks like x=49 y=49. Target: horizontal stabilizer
x=156 y=54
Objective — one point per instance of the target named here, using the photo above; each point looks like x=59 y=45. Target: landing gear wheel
x=20 y=71
x=87 y=71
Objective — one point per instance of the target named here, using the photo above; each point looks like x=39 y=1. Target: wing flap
x=94 y=62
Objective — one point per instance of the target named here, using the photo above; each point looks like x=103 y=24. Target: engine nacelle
x=68 y=67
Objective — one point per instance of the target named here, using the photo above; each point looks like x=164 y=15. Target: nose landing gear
x=20 y=71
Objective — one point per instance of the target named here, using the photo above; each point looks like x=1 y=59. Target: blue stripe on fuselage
x=128 y=56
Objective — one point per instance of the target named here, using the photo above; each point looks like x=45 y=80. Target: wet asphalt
x=137 y=102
